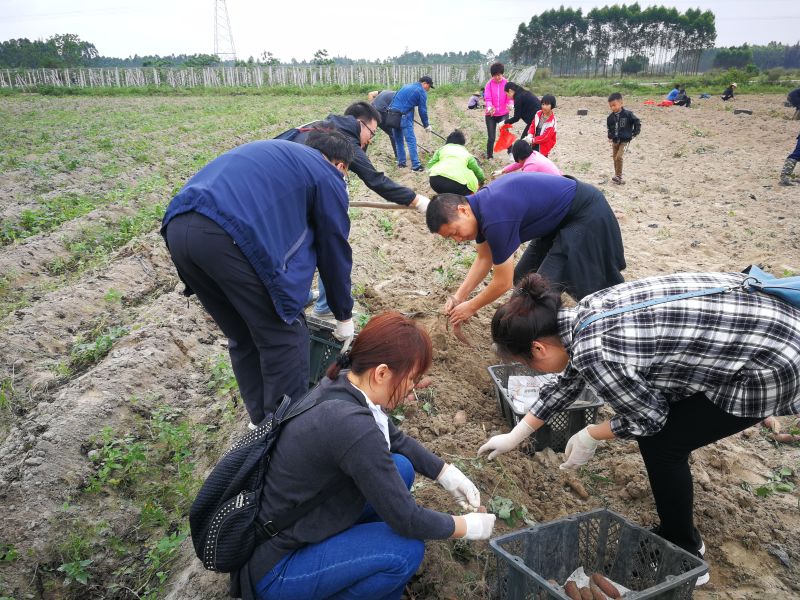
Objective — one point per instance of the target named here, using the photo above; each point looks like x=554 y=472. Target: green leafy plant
x=76 y=571
x=221 y=378
x=8 y=553
x=508 y=511
x=398 y=415
x=386 y=225
x=85 y=353
x=779 y=481
x=113 y=296
x=362 y=320
x=119 y=460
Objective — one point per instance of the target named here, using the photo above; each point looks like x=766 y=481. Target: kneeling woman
x=679 y=375
x=365 y=541
x=453 y=169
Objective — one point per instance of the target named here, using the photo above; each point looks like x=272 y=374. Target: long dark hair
x=391 y=339
x=529 y=315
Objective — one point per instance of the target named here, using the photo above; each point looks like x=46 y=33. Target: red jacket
x=547 y=139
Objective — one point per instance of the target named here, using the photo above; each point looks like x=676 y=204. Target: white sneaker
x=702 y=550
x=703 y=579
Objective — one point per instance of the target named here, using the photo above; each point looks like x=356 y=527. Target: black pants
x=445 y=185
x=388 y=132
x=691 y=424
x=687 y=103
x=269 y=357
x=491 y=131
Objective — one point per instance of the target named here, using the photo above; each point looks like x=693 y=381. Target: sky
x=367 y=29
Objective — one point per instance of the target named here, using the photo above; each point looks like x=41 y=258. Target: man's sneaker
x=401 y=165
x=418 y=169
x=312 y=297
x=703 y=579
x=618 y=180
x=325 y=316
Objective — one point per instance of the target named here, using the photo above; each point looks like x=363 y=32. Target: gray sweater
x=339 y=439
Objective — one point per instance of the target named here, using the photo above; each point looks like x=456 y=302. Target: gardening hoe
x=432 y=131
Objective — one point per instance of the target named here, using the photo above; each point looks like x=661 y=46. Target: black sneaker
x=419 y=169
x=401 y=166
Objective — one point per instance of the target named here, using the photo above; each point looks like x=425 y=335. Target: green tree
x=321 y=58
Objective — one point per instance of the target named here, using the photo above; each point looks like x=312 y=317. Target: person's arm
x=548 y=135
x=512 y=167
x=517 y=114
x=473 y=166
x=477 y=272
x=487 y=98
x=434 y=159
x=610 y=126
x=378 y=182
x=637 y=125
x=423 y=108
x=334 y=255
x=502 y=281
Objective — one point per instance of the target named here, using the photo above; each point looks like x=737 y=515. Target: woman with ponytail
x=366 y=538
x=679 y=374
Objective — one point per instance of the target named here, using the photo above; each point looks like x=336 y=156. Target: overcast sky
x=376 y=29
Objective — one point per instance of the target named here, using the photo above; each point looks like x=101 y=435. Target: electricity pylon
x=223 y=36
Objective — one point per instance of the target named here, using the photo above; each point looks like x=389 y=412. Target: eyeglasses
x=372 y=132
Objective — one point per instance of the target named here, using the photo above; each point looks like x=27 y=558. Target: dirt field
x=116 y=395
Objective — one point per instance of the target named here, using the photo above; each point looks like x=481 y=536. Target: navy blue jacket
x=409 y=96
x=285 y=206
x=794 y=98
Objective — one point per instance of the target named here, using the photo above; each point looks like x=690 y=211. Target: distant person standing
x=622 y=126
x=728 y=93
x=526 y=105
x=791 y=160
x=407 y=98
x=246 y=233
x=498 y=104
x=381 y=101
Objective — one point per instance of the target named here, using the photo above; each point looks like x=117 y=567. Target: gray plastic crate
x=600 y=541
x=561 y=427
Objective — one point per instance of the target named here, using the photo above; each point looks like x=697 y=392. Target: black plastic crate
x=600 y=541
x=323 y=348
x=561 y=427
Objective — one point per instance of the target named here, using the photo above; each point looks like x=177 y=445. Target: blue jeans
x=406 y=131
x=322 y=302
x=368 y=561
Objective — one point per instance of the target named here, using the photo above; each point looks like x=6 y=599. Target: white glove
x=460 y=487
x=497 y=173
x=500 y=444
x=422 y=203
x=479 y=525
x=344 y=330
x=429 y=129
x=580 y=449
x=528 y=138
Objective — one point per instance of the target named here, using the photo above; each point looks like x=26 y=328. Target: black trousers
x=388 y=132
x=269 y=357
x=692 y=423
x=445 y=185
x=491 y=131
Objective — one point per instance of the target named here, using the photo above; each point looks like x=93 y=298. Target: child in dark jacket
x=623 y=126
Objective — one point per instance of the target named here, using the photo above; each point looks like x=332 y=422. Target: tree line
x=615 y=40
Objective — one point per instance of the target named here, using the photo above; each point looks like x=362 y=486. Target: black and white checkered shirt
x=740 y=348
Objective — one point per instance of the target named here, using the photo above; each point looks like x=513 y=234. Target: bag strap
x=273 y=527
x=652 y=302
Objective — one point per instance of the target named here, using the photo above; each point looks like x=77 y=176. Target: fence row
x=379 y=76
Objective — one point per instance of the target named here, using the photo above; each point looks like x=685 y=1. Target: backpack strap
x=652 y=302
x=286 y=411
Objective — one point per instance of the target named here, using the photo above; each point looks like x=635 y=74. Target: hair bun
x=534 y=286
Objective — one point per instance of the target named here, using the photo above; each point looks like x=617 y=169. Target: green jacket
x=455 y=162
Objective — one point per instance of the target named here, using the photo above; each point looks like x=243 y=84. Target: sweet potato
x=571 y=590
x=597 y=593
x=586 y=593
x=605 y=585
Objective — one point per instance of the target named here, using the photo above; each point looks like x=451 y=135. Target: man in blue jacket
x=246 y=233
x=405 y=100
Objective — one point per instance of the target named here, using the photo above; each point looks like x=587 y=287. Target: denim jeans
x=368 y=561
x=321 y=305
x=406 y=131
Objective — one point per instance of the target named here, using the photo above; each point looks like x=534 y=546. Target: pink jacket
x=535 y=163
x=494 y=94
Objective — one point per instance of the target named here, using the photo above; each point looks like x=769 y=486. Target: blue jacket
x=285 y=206
x=673 y=94
x=409 y=96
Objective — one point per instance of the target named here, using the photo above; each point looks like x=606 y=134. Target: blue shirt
x=409 y=96
x=285 y=206
x=673 y=94
x=520 y=208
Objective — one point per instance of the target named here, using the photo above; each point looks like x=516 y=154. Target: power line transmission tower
x=223 y=36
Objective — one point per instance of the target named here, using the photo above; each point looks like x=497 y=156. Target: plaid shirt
x=742 y=349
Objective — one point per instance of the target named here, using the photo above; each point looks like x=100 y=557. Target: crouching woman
x=366 y=540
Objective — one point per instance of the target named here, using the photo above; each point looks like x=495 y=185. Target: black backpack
x=224 y=516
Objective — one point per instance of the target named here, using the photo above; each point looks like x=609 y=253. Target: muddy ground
x=701 y=194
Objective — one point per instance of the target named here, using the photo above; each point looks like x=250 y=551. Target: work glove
x=500 y=444
x=479 y=526
x=344 y=330
x=422 y=203
x=528 y=138
x=580 y=449
x=460 y=487
x=497 y=173
x=429 y=129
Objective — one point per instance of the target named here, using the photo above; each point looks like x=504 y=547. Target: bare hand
x=460 y=313
x=451 y=303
